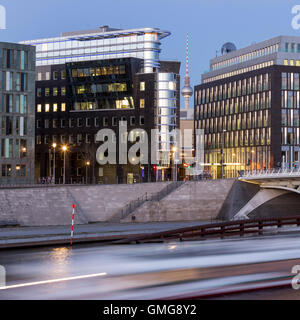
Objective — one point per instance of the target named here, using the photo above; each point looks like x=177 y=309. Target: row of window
x=239 y=71
x=290 y=118
x=13 y=103
x=13 y=125
x=291 y=62
x=246 y=57
x=15 y=59
x=259 y=101
x=107 y=104
x=51 y=91
x=13 y=148
x=290 y=136
x=98 y=71
x=88 y=122
x=56 y=75
x=244 y=138
x=51 y=108
x=17 y=81
x=79 y=138
x=101 y=88
x=250 y=120
x=7 y=172
x=290 y=99
x=289 y=81
x=233 y=89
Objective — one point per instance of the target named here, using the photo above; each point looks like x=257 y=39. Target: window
x=71 y=123
x=47 y=75
x=142 y=86
x=54 y=123
x=63 y=75
x=79 y=122
x=55 y=75
x=97 y=122
x=38 y=123
x=63 y=91
x=55 y=92
x=79 y=138
x=62 y=123
x=286 y=62
x=46 y=123
x=55 y=107
x=142 y=103
x=39 y=76
x=114 y=121
x=88 y=122
x=39 y=92
x=47 y=107
x=132 y=121
x=6 y=170
x=39 y=108
x=79 y=172
x=142 y=120
x=105 y=121
x=38 y=140
x=63 y=107
x=47 y=92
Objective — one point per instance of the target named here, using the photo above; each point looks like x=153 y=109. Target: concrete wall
x=193 y=201
x=48 y=206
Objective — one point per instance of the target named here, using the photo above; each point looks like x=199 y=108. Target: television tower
x=187 y=90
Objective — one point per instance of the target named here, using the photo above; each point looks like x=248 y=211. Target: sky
x=210 y=23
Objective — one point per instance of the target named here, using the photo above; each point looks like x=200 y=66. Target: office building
x=90 y=80
x=248 y=105
x=17 y=113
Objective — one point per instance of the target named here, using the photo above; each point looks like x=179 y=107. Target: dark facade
x=253 y=117
x=76 y=100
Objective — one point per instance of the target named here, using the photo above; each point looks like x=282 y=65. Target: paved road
x=147 y=271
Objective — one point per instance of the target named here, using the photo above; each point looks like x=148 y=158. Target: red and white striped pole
x=73 y=218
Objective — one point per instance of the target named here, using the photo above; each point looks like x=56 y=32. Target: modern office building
x=90 y=80
x=17 y=113
x=248 y=105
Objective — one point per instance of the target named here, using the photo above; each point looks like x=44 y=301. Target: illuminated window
x=55 y=92
x=55 y=107
x=142 y=103
x=292 y=62
x=47 y=107
x=47 y=92
x=142 y=86
x=286 y=62
x=172 y=85
x=63 y=91
x=63 y=107
x=39 y=108
x=298 y=63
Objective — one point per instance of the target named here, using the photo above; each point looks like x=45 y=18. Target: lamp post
x=54 y=145
x=88 y=163
x=174 y=149
x=64 y=148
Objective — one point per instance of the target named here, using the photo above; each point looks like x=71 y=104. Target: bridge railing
x=270 y=173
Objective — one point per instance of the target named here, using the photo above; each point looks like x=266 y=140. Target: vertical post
x=50 y=163
x=73 y=218
x=64 y=181
x=54 y=146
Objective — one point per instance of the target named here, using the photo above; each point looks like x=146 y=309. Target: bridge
x=272 y=183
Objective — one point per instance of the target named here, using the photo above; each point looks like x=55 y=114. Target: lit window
x=142 y=103
x=47 y=107
x=63 y=91
x=47 y=92
x=292 y=62
x=55 y=107
x=39 y=108
x=286 y=62
x=63 y=107
x=172 y=85
x=47 y=75
x=142 y=86
x=55 y=92
x=63 y=75
x=298 y=63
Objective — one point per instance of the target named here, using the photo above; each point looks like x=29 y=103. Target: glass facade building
x=248 y=105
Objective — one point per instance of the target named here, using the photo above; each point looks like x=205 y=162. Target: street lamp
x=54 y=145
x=88 y=163
x=174 y=149
x=64 y=149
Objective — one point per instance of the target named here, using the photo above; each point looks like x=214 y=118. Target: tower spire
x=187 y=90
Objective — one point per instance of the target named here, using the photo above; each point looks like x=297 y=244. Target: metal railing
x=219 y=230
x=270 y=173
x=157 y=196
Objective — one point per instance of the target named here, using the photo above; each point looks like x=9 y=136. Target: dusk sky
x=210 y=23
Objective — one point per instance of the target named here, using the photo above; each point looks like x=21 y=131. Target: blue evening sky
x=210 y=23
